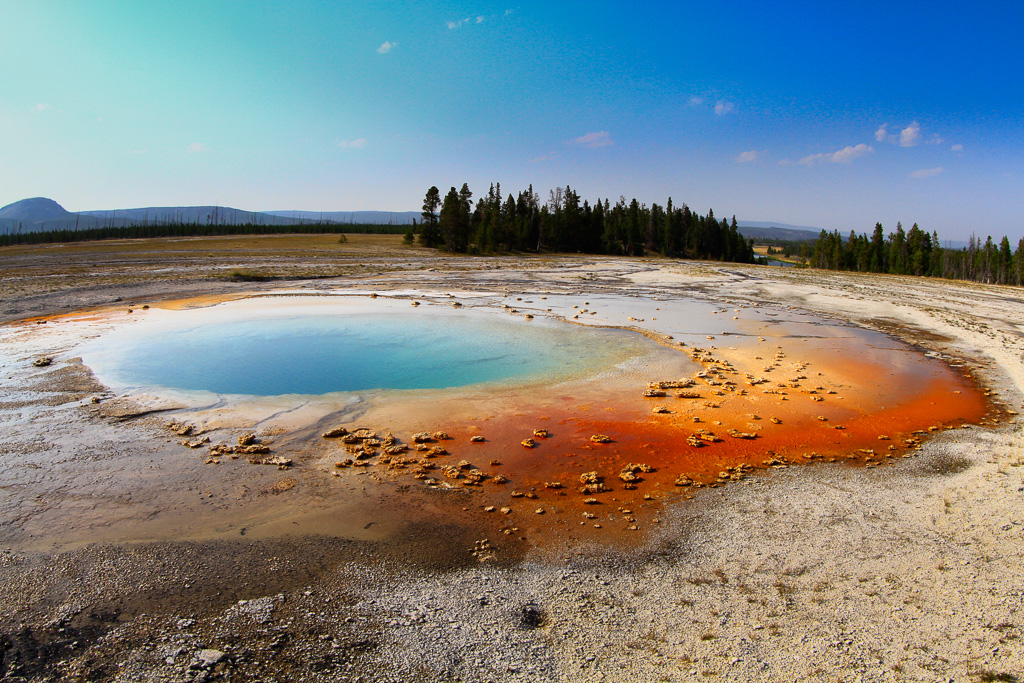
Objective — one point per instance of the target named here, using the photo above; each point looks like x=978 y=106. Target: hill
x=363 y=217
x=42 y=214
x=28 y=214
x=35 y=209
x=210 y=215
x=760 y=230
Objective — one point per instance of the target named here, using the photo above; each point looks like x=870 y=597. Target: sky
x=833 y=115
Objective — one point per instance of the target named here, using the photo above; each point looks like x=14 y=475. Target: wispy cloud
x=386 y=47
x=882 y=134
x=911 y=135
x=842 y=156
x=927 y=172
x=40 y=107
x=695 y=101
x=358 y=143
x=456 y=24
x=748 y=157
x=197 y=148
x=599 y=138
x=848 y=153
x=957 y=148
x=723 y=107
x=935 y=139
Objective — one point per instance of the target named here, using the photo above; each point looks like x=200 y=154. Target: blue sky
x=835 y=115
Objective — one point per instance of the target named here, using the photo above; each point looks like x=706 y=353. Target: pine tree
x=448 y=222
x=1005 y=260
x=878 y=263
x=431 y=203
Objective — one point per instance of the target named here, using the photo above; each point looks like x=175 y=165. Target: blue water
x=319 y=354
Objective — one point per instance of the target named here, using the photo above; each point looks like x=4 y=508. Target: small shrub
x=531 y=616
x=950 y=464
x=1002 y=676
x=239 y=275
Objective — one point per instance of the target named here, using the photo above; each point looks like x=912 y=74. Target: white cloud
x=695 y=101
x=42 y=106
x=722 y=107
x=927 y=172
x=908 y=137
x=599 y=138
x=842 y=156
x=197 y=148
x=848 y=153
x=480 y=19
x=508 y=13
x=386 y=47
x=358 y=143
x=911 y=135
x=957 y=148
x=748 y=157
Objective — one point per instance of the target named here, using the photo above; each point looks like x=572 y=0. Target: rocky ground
x=905 y=572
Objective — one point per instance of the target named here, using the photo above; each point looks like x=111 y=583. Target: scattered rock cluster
x=248 y=444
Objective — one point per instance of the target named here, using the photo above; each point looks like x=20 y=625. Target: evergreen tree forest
x=916 y=252
x=193 y=229
x=565 y=223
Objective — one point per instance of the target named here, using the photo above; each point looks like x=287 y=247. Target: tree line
x=916 y=252
x=191 y=229
x=564 y=223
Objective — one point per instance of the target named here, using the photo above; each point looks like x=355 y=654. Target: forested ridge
x=564 y=223
x=916 y=252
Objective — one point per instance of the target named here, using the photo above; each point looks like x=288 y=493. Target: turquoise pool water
x=311 y=352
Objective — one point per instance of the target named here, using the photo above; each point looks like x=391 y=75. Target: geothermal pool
x=312 y=348
x=771 y=387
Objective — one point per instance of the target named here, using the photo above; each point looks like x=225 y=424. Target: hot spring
x=726 y=390
x=297 y=347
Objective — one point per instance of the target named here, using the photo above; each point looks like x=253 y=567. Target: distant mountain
x=41 y=214
x=216 y=215
x=777 y=231
x=37 y=213
x=35 y=210
x=370 y=217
